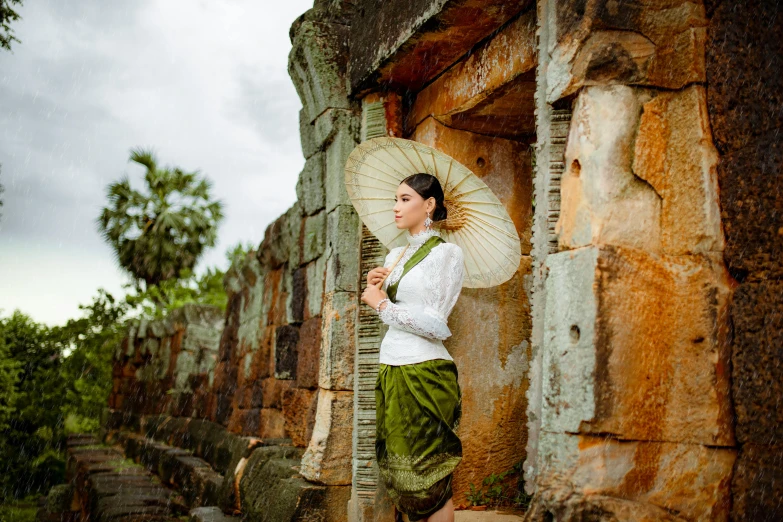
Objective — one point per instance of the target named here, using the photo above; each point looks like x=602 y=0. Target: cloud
x=204 y=84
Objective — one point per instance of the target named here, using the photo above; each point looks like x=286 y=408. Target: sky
x=204 y=84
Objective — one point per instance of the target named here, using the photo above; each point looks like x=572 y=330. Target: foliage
x=89 y=343
x=8 y=15
x=158 y=234
x=158 y=300
x=31 y=444
x=498 y=490
x=19 y=511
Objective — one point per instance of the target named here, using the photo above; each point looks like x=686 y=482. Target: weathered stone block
x=272 y=425
x=336 y=155
x=273 y=390
x=299 y=410
x=689 y=480
x=674 y=154
x=298 y=295
x=308 y=350
x=307 y=135
x=333 y=120
x=635 y=346
x=342 y=253
x=314 y=237
x=598 y=189
x=286 y=338
x=328 y=456
x=315 y=276
x=317 y=64
x=657 y=45
x=391 y=40
x=209 y=514
x=338 y=344
x=310 y=186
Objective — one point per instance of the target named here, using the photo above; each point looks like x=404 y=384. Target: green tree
x=8 y=15
x=32 y=443
x=158 y=300
x=158 y=234
x=88 y=344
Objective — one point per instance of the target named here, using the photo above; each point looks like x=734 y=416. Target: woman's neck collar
x=419 y=238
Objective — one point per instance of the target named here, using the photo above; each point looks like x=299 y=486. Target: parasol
x=477 y=221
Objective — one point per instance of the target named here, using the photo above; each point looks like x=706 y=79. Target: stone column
x=631 y=403
x=330 y=130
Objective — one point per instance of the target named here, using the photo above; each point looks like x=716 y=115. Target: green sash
x=420 y=254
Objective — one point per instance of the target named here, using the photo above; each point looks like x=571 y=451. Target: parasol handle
x=379 y=285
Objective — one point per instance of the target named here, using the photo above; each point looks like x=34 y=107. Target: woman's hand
x=376 y=275
x=372 y=295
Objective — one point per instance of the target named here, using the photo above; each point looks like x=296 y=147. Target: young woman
x=418 y=398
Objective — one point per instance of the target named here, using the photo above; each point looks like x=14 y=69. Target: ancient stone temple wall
x=631 y=363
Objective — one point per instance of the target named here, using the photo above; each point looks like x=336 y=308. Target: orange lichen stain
x=641 y=478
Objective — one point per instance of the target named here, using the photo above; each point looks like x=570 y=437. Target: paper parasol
x=477 y=221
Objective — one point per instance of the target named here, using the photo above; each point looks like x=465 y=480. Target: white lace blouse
x=425 y=297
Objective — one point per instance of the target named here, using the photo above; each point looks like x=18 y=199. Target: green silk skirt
x=418 y=409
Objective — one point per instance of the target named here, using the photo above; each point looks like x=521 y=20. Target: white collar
x=418 y=239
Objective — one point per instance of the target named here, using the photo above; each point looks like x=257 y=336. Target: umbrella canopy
x=477 y=221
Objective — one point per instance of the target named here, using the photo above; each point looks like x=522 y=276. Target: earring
x=427 y=221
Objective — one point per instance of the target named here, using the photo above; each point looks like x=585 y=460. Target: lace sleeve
x=429 y=319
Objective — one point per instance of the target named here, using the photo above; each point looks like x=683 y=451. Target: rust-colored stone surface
x=489 y=91
x=690 y=480
x=657 y=43
x=404 y=44
x=504 y=165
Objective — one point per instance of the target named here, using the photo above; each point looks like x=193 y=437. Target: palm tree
x=158 y=234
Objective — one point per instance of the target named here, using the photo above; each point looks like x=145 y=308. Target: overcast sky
x=203 y=83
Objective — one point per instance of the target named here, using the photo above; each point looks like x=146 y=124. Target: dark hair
x=428 y=186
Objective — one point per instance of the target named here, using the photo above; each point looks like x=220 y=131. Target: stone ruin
x=632 y=363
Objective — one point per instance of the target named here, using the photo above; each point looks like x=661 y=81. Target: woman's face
x=410 y=209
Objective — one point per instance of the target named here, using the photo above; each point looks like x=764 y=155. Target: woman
x=418 y=398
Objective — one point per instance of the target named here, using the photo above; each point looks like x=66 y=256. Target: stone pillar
x=631 y=403
x=330 y=130
x=369 y=502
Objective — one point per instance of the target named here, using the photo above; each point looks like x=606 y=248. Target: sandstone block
x=342 y=253
x=598 y=189
x=635 y=346
x=336 y=368
x=314 y=237
x=286 y=339
x=316 y=65
x=689 y=480
x=336 y=155
x=674 y=153
x=299 y=410
x=308 y=350
x=315 y=277
x=273 y=390
x=310 y=186
x=298 y=295
x=660 y=45
x=328 y=456
x=307 y=135
x=272 y=424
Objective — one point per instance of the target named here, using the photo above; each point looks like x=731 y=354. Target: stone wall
x=631 y=361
